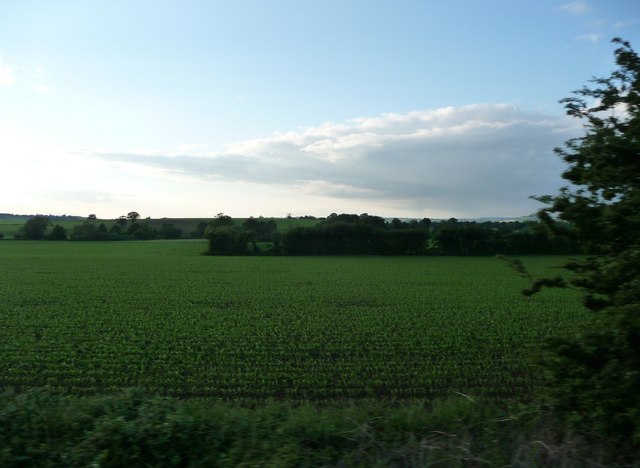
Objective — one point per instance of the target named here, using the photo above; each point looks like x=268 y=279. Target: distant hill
x=504 y=219
x=301 y=220
x=22 y=217
x=484 y=219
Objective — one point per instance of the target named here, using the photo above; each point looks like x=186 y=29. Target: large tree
x=58 y=233
x=35 y=228
x=603 y=208
x=595 y=375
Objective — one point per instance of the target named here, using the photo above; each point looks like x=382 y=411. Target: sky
x=396 y=108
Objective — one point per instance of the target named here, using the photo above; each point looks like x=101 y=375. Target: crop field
x=9 y=227
x=91 y=317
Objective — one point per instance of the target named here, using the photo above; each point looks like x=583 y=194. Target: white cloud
x=7 y=74
x=592 y=37
x=471 y=160
x=577 y=7
x=624 y=24
x=41 y=89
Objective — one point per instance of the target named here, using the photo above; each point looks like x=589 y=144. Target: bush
x=594 y=378
x=38 y=428
x=58 y=233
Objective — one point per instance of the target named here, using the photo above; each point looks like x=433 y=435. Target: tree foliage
x=226 y=240
x=604 y=166
x=595 y=375
x=350 y=234
x=34 y=228
x=90 y=231
x=198 y=232
x=169 y=231
x=58 y=233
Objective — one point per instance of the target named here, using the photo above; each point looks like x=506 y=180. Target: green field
x=95 y=317
x=9 y=227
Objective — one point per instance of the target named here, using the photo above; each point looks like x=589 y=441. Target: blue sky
x=395 y=108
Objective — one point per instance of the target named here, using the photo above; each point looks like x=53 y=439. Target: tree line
x=337 y=234
x=126 y=227
x=351 y=234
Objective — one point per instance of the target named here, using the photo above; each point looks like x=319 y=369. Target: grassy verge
x=38 y=428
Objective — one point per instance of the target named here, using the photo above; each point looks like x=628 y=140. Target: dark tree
x=373 y=221
x=595 y=376
x=259 y=230
x=58 y=233
x=220 y=220
x=397 y=223
x=142 y=231
x=425 y=222
x=604 y=166
x=115 y=232
x=198 y=232
x=133 y=216
x=342 y=218
x=89 y=231
x=35 y=228
x=169 y=231
x=92 y=217
x=226 y=240
x=456 y=238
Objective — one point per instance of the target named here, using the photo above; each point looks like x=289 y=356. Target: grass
x=38 y=428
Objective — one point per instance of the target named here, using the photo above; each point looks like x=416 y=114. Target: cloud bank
x=473 y=160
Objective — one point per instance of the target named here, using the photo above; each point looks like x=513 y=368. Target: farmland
x=92 y=318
